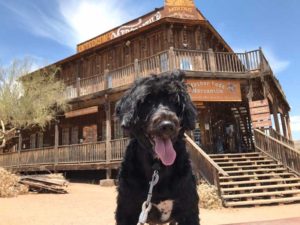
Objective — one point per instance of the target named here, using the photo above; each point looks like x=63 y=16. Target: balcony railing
x=183 y=59
x=69 y=154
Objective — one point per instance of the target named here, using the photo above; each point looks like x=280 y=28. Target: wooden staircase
x=255 y=179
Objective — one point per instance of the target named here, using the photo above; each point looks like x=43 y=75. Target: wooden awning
x=81 y=112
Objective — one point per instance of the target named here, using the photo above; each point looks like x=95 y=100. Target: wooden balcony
x=69 y=157
x=200 y=63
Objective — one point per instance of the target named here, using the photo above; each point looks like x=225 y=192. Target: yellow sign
x=214 y=90
x=187 y=3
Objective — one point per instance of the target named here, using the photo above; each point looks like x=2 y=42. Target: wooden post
x=212 y=60
x=56 y=143
x=172 y=60
x=275 y=116
x=106 y=79
x=261 y=60
x=108 y=135
x=136 y=69
x=288 y=123
x=78 y=86
x=19 y=148
x=283 y=124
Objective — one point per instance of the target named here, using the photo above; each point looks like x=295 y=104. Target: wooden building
x=235 y=93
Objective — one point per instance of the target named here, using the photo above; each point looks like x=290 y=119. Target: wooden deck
x=204 y=63
x=88 y=156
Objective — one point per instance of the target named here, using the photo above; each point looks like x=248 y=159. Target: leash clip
x=147 y=205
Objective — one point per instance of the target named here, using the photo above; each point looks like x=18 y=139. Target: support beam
x=275 y=116
x=288 y=123
x=56 y=142
x=108 y=129
x=283 y=124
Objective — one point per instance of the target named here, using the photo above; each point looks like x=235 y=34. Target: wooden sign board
x=184 y=9
x=260 y=113
x=214 y=90
x=81 y=112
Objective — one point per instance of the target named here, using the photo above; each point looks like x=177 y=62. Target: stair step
x=242 y=167
x=261 y=194
x=261 y=187
x=259 y=181
x=257 y=175
x=239 y=159
x=228 y=155
x=246 y=162
x=255 y=171
x=263 y=201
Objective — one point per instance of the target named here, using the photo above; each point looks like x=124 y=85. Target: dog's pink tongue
x=165 y=151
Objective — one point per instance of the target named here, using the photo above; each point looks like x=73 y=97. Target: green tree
x=28 y=99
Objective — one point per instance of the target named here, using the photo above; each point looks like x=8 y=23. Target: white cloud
x=295 y=123
x=73 y=21
x=89 y=18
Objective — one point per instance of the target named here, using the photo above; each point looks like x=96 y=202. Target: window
x=65 y=136
x=118 y=131
x=186 y=64
x=33 y=141
x=74 y=135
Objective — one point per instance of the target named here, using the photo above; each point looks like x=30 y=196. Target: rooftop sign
x=184 y=9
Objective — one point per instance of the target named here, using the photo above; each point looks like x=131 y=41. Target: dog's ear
x=127 y=106
x=189 y=113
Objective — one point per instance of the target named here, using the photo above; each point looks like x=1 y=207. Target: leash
x=147 y=205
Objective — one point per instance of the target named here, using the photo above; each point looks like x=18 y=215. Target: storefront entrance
x=223 y=128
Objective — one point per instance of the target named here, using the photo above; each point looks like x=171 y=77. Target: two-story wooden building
x=234 y=94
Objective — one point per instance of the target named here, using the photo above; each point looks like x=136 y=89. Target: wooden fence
x=182 y=59
x=278 y=150
x=69 y=154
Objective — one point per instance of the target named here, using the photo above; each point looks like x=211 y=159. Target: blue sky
x=48 y=31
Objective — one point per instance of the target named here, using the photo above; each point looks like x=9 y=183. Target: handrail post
x=247 y=61
x=172 y=60
x=136 y=69
x=212 y=60
x=261 y=58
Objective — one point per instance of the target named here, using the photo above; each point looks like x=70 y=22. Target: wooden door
x=90 y=133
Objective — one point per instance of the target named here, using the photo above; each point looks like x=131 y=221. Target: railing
x=278 y=150
x=118 y=148
x=273 y=133
x=203 y=164
x=182 y=59
x=69 y=154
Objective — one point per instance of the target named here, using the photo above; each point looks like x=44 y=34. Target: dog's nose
x=167 y=127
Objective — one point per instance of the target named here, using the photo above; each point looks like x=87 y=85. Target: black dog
x=157 y=111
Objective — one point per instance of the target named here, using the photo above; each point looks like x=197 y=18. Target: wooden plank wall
x=140 y=46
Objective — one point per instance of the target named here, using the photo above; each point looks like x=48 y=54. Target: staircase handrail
x=212 y=173
x=278 y=150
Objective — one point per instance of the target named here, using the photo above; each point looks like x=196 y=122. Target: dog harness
x=147 y=205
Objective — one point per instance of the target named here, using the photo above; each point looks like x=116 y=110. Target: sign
x=184 y=9
x=214 y=90
x=260 y=113
x=81 y=112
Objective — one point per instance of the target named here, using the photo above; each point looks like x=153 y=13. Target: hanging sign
x=260 y=113
x=214 y=90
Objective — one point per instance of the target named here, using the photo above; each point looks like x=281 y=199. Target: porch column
x=19 y=147
x=108 y=135
x=288 y=123
x=275 y=116
x=56 y=142
x=283 y=124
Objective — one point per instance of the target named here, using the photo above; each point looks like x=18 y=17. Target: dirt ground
x=88 y=204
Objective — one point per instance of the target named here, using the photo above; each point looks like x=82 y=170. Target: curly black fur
x=176 y=181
